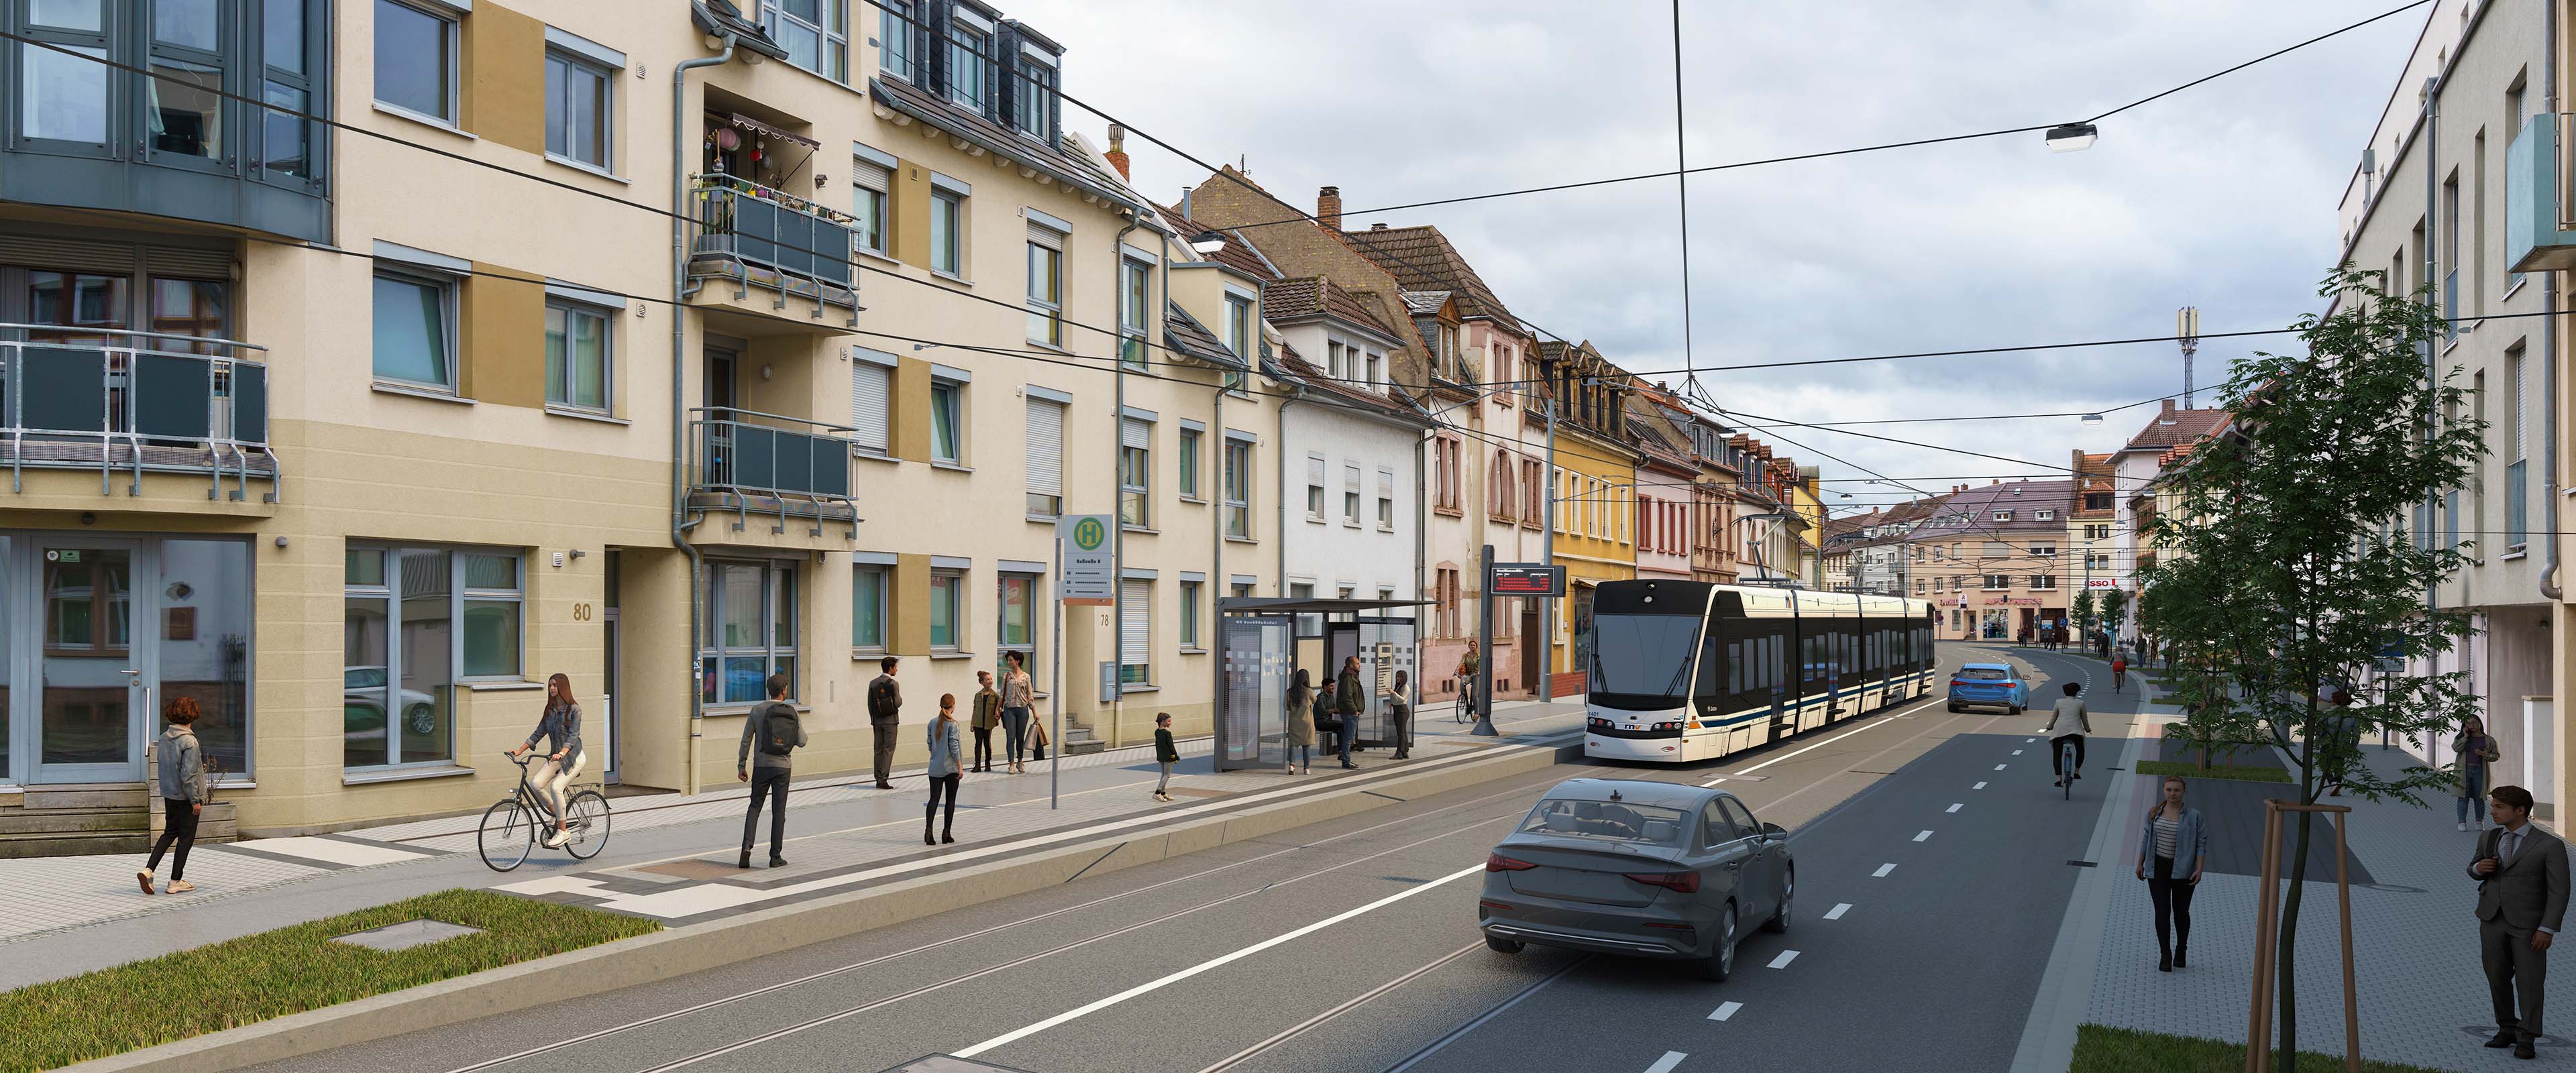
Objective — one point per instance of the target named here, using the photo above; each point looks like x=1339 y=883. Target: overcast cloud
x=2222 y=196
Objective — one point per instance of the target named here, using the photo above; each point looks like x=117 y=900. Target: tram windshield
x=1642 y=662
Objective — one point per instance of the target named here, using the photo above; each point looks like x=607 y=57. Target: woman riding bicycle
x=2068 y=723
x=561 y=725
x=2119 y=671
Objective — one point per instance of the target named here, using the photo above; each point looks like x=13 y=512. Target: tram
x=1687 y=670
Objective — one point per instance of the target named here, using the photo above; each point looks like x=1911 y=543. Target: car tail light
x=1498 y=863
x=1675 y=927
x=1957 y=682
x=1682 y=882
x=1484 y=903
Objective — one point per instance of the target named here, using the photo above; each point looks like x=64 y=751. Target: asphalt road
x=1351 y=946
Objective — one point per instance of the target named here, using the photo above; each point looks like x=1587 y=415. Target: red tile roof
x=1422 y=259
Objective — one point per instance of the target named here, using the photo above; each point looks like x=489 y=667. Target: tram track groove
x=1292 y=1032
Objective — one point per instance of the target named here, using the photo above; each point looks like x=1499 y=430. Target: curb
x=668 y=954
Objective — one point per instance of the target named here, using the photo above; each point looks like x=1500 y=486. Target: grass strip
x=2103 y=1049
x=2191 y=769
x=275 y=973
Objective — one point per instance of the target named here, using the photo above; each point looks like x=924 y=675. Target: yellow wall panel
x=911 y=211
x=505 y=82
x=911 y=603
x=505 y=339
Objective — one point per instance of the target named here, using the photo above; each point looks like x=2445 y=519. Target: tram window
x=1734 y=669
x=1705 y=692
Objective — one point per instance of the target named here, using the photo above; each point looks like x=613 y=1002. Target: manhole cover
x=2484 y=1031
x=408 y=934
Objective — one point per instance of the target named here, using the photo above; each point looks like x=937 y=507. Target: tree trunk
x=2284 y=966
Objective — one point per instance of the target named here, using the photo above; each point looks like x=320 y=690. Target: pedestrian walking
x=885 y=713
x=1349 y=696
x=2172 y=841
x=2522 y=897
x=1167 y=754
x=2344 y=735
x=1019 y=699
x=560 y=725
x=180 y=770
x=1298 y=746
x=771 y=732
x=2476 y=753
x=988 y=714
x=946 y=757
x=1399 y=712
x=1325 y=720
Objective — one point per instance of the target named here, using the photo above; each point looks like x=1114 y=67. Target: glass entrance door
x=94 y=663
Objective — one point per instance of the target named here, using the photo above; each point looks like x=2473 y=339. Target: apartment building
x=2135 y=468
x=2091 y=540
x=1596 y=510
x=1992 y=558
x=1666 y=476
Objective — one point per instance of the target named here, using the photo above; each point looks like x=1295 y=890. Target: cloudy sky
x=2222 y=196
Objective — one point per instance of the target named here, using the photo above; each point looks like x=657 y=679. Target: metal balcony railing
x=755 y=463
x=749 y=232
x=124 y=402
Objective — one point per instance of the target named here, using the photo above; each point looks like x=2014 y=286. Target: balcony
x=752 y=464
x=2537 y=231
x=751 y=236
x=129 y=404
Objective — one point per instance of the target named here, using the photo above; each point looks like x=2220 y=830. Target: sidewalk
x=671 y=855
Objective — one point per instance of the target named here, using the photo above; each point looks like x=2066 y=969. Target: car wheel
x=1501 y=945
x=1954 y=707
x=420 y=719
x=1779 y=922
x=1720 y=962
x=2012 y=709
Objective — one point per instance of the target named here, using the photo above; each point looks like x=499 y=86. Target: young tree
x=2084 y=614
x=2284 y=560
x=2114 y=602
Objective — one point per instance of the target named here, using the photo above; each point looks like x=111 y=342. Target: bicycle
x=2066 y=764
x=517 y=821
x=2119 y=680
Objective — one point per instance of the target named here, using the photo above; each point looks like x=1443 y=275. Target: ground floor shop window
x=749 y=632
x=418 y=621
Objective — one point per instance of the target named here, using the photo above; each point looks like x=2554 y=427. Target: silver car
x=1649 y=869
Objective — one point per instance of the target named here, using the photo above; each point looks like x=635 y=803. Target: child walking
x=1166 y=754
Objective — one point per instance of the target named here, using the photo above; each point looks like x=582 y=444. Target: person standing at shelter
x=1349 y=696
x=1298 y=744
x=179 y=768
x=1325 y=720
x=1399 y=714
x=1167 y=754
x=1019 y=699
x=946 y=756
x=2522 y=897
x=885 y=713
x=988 y=714
x=2477 y=753
x=770 y=733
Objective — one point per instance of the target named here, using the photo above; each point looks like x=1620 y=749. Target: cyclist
x=561 y=723
x=2119 y=671
x=2069 y=721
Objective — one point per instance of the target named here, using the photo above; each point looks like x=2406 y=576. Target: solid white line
x=1725 y=1010
x=1818 y=745
x=1979 y=786
x=1666 y=1063
x=1155 y=985
x=1786 y=956
x=1924 y=835
x=1836 y=913
x=1713 y=782
x=1956 y=806
x=1882 y=871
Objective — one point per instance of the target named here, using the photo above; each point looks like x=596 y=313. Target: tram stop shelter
x=1268 y=639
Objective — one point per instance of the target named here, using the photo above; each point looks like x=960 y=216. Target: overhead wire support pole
x=1681 y=186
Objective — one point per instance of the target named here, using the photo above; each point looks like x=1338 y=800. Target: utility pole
x=1483 y=686
x=1546 y=639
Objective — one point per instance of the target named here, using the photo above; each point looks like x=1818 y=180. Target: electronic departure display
x=1528 y=579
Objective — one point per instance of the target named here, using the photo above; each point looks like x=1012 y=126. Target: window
x=869 y=183
x=1190 y=613
x=947 y=421
x=1498 y=487
x=871 y=402
x=947 y=227
x=815 y=33
x=2043 y=548
x=1238 y=488
x=1189 y=460
x=2047 y=515
x=749 y=632
x=577 y=355
x=1046 y=458
x=579 y=106
x=491 y=614
x=1135 y=279
x=1135 y=632
x=1019 y=599
x=415 y=329
x=418 y=621
x=2003 y=515
x=1135 y=472
x=868 y=607
x=286 y=139
x=2517 y=493
x=1374 y=361
x=970 y=40
x=1350 y=495
x=1238 y=325
x=1998 y=581
x=64 y=98
x=1033 y=110
x=1386 y=499
x=947 y=610
x=2097 y=532
x=1314 y=488
x=2043 y=581
x=1046 y=285
x=415 y=61
x=89 y=602
x=900 y=29
x=1532 y=509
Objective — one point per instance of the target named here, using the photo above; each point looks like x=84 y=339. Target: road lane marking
x=1836 y=913
x=1713 y=782
x=2030 y=739
x=1924 y=835
x=1782 y=962
x=1666 y=1063
x=1955 y=806
x=1818 y=745
x=1725 y=1010
x=1882 y=871
x=2016 y=752
x=1999 y=767
x=1150 y=986
x=1979 y=786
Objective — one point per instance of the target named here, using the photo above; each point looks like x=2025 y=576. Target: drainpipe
x=2549 y=588
x=1117 y=496
x=1421 y=538
x=2432 y=348
x=1296 y=393
x=1547 y=554
x=679 y=410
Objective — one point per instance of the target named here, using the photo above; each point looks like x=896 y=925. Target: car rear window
x=1608 y=820
x=1983 y=674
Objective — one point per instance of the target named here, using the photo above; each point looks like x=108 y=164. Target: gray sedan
x=1648 y=869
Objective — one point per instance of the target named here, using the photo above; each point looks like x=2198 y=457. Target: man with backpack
x=885 y=714
x=773 y=727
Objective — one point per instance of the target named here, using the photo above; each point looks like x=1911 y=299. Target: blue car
x=1996 y=684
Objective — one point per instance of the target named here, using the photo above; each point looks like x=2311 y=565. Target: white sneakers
x=554 y=840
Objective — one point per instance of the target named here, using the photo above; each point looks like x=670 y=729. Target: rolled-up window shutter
x=1046 y=236
x=1135 y=433
x=1135 y=622
x=1046 y=447
x=1315 y=472
x=871 y=391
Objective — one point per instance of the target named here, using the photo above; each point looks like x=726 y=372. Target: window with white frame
x=970 y=42
x=749 y=632
x=871 y=402
x=415 y=327
x=900 y=28
x=1135 y=286
x=1189 y=461
x=947 y=610
x=2047 y=515
x=2045 y=549
x=1237 y=475
x=1386 y=499
x=815 y=33
x=870 y=184
x=419 y=621
x=415 y=59
x=1239 y=325
x=1350 y=495
x=947 y=420
x=1998 y=581
x=869 y=605
x=2043 y=581
x=581 y=103
x=2003 y=515
x=1135 y=632
x=1046 y=284
x=1045 y=457
x=1135 y=472
x=1314 y=488
x=579 y=366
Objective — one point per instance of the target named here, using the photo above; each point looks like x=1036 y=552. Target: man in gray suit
x=2522 y=894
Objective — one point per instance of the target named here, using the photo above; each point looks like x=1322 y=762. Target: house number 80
x=581 y=612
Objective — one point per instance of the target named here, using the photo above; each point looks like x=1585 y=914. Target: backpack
x=878 y=702
x=772 y=741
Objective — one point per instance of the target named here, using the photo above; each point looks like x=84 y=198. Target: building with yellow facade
x=1596 y=474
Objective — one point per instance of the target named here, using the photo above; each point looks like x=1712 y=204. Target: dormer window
x=970 y=74
x=815 y=33
x=1034 y=107
x=2003 y=515
x=2048 y=516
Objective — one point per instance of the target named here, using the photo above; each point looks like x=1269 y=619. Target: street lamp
x=2070 y=137
x=2092 y=421
x=1208 y=242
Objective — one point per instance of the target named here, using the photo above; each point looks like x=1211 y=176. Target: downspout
x=2549 y=588
x=1547 y=554
x=1295 y=394
x=1421 y=549
x=1118 y=494
x=679 y=410
x=2432 y=348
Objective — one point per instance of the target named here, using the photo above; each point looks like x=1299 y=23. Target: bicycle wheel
x=589 y=825
x=506 y=836
x=2066 y=757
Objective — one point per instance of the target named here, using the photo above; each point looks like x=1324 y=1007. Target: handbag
x=1038 y=749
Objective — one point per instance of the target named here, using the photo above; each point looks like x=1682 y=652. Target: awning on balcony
x=757 y=127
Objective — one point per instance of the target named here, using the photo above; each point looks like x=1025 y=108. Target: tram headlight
x=1675 y=725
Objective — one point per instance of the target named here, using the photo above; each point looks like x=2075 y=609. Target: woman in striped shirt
x=2172 y=843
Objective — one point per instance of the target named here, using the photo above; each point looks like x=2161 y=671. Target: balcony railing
x=126 y=402
x=750 y=463
x=754 y=234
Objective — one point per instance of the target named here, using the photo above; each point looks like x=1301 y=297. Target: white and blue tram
x=1686 y=670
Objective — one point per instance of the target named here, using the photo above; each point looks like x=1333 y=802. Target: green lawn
x=2100 y=1049
x=2191 y=769
x=275 y=973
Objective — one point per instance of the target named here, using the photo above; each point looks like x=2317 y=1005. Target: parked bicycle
x=511 y=827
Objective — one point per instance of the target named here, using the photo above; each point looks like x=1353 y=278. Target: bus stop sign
x=1528 y=579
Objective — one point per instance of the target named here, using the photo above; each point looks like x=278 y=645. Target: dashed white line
x=1979 y=786
x=1999 y=767
x=1725 y=1010
x=1882 y=871
x=1782 y=962
x=1924 y=835
x=1955 y=806
x=1818 y=745
x=1836 y=913
x=2030 y=739
x=1666 y=1063
x=2016 y=752
x=1713 y=782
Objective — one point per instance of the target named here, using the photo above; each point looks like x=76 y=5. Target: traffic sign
x=1528 y=579
x=1090 y=576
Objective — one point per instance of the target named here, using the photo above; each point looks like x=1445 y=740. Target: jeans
x=1300 y=755
x=2056 y=748
x=179 y=826
x=2172 y=897
x=1015 y=728
x=1166 y=784
x=983 y=748
x=773 y=782
x=1348 y=725
x=939 y=783
x=885 y=749
x=2473 y=784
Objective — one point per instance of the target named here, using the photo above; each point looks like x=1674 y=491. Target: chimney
x=1377 y=227
x=1328 y=207
x=1185 y=201
x=2168 y=408
x=1118 y=148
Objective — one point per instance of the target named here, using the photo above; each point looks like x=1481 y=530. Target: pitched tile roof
x=1425 y=301
x=1971 y=511
x=1185 y=335
x=1307 y=296
x=1422 y=259
x=1236 y=254
x=1067 y=159
x=2172 y=426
